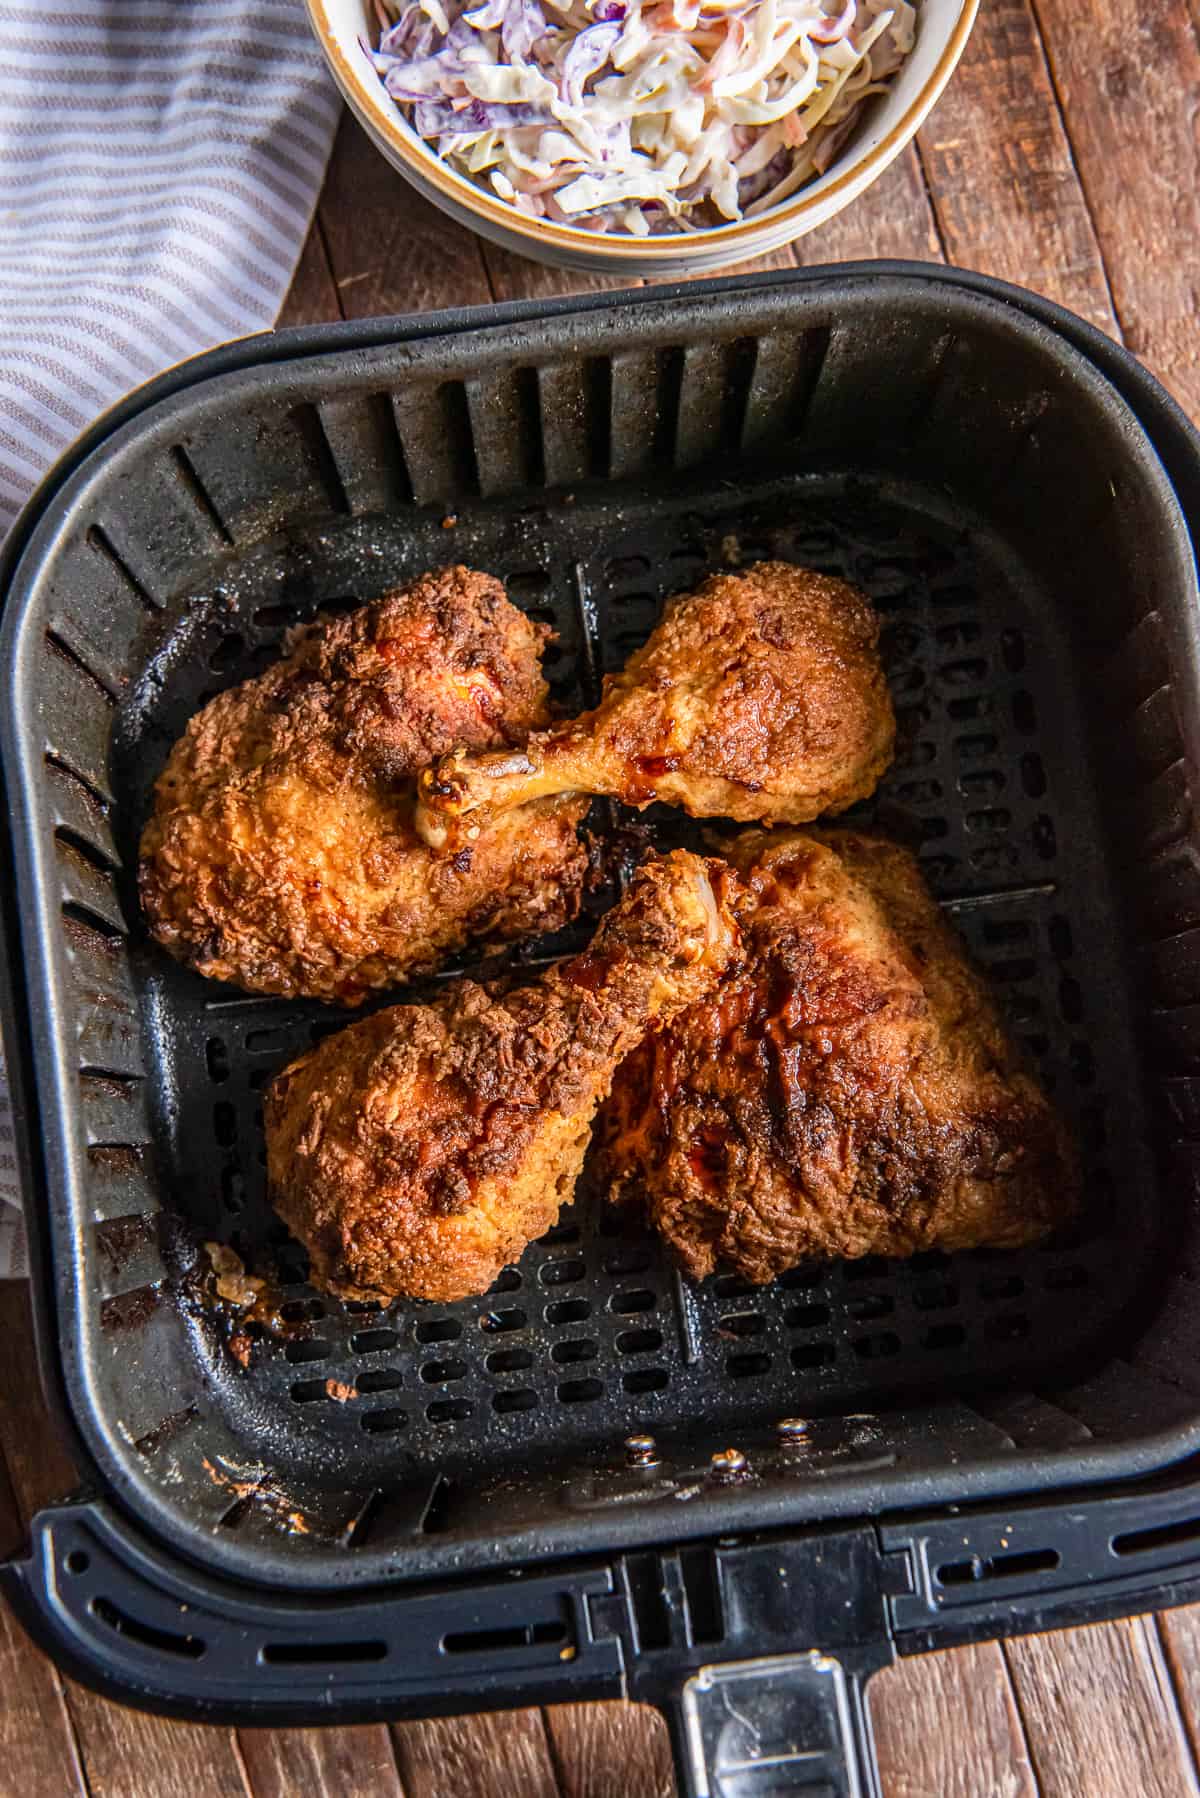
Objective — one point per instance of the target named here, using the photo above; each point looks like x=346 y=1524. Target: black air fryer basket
x=935 y=1450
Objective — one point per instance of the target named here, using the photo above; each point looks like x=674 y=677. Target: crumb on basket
x=232 y=1282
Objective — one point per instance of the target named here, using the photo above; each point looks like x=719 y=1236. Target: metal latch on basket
x=785 y=1723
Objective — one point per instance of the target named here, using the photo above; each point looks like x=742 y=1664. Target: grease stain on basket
x=251 y=1488
x=120 y=1238
x=130 y=1310
x=165 y=1431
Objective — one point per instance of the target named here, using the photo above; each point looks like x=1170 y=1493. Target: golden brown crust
x=420 y=1150
x=281 y=854
x=771 y=678
x=849 y=1091
x=759 y=696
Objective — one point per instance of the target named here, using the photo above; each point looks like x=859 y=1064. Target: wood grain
x=757 y=265
x=312 y=298
x=37 y=1742
x=321 y=1763
x=124 y=1754
x=998 y=162
x=610 y=1751
x=503 y=1754
x=128 y=1754
x=1128 y=72
x=35 y=1452
x=1179 y=1633
x=515 y=277
x=947 y=1726
x=390 y=250
x=1099 y=1713
x=894 y=218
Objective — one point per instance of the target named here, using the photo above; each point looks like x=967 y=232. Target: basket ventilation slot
x=1002 y=1566
x=163 y=1641
x=1167 y=1535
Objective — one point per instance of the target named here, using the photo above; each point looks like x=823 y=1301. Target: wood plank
x=947 y=1726
x=517 y=278
x=1128 y=73
x=321 y=1763
x=782 y=258
x=128 y=1754
x=390 y=250
x=37 y=1743
x=1179 y=1633
x=1099 y=1712
x=34 y=1448
x=893 y=218
x=503 y=1754
x=998 y=163
x=12 y=1522
x=312 y=298
x=613 y=1750
x=124 y=1754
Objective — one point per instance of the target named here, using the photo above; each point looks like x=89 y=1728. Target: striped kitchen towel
x=159 y=164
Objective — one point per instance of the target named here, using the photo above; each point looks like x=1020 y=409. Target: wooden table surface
x=1065 y=156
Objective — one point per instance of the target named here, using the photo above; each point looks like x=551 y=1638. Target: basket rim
x=26 y=1028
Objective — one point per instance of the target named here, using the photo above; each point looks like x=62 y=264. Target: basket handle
x=791 y=1723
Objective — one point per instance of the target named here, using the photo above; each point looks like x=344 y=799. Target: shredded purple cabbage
x=589 y=52
x=523 y=25
x=640 y=115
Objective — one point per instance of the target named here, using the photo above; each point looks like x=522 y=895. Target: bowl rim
x=416 y=160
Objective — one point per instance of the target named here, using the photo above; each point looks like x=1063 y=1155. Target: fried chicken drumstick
x=760 y=696
x=848 y=1091
x=420 y=1150
x=281 y=853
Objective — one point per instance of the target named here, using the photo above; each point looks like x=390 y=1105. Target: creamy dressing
x=640 y=116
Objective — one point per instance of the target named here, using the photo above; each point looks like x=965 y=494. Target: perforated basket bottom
x=593 y=1334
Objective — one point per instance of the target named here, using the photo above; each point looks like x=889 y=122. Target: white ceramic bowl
x=342 y=26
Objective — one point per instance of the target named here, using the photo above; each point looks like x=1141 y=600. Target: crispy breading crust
x=771 y=678
x=420 y=1150
x=849 y=1091
x=760 y=696
x=281 y=853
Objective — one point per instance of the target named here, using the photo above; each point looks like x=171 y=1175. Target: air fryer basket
x=998 y=501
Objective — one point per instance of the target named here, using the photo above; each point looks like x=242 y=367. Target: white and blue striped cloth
x=159 y=165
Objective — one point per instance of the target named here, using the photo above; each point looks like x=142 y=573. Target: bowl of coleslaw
x=642 y=137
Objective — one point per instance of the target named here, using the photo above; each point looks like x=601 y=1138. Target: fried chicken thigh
x=420 y=1150
x=848 y=1091
x=281 y=853
x=760 y=696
